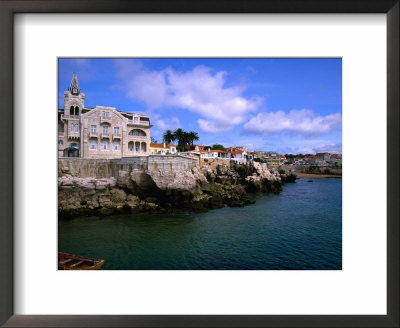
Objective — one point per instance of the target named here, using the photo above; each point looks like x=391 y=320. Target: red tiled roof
x=156 y=145
x=208 y=151
x=161 y=145
x=237 y=152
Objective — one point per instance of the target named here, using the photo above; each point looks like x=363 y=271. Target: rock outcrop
x=163 y=190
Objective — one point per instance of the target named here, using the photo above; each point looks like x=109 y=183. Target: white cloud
x=198 y=90
x=303 y=121
x=168 y=124
x=310 y=149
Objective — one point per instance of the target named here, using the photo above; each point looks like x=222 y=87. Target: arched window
x=74 y=145
x=76 y=110
x=137 y=147
x=137 y=133
x=116 y=145
x=93 y=144
x=130 y=146
x=104 y=145
x=71 y=110
x=143 y=147
x=60 y=142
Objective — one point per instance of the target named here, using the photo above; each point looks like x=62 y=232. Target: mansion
x=100 y=132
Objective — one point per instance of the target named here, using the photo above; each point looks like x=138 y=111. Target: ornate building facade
x=100 y=132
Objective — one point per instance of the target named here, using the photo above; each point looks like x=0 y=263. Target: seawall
x=110 y=168
x=158 y=183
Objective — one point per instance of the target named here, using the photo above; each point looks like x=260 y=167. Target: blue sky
x=284 y=105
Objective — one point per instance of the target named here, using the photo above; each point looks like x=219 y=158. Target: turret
x=73 y=98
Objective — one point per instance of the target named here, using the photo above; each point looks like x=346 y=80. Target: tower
x=74 y=99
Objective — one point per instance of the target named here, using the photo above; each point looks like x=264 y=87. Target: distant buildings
x=322 y=157
x=335 y=158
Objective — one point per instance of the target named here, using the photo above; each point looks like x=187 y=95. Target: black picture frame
x=10 y=7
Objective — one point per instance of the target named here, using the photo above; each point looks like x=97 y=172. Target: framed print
x=157 y=111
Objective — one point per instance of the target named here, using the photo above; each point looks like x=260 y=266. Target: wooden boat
x=74 y=262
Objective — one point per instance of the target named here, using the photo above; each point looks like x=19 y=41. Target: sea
x=298 y=229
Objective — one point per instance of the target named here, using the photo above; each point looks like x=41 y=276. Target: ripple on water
x=300 y=229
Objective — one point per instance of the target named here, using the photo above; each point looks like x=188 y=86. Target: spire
x=74 y=86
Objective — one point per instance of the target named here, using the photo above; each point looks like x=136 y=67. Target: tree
x=169 y=136
x=179 y=135
x=218 y=147
x=185 y=139
x=153 y=140
x=192 y=137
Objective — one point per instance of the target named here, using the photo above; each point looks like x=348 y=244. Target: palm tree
x=192 y=136
x=168 y=136
x=179 y=135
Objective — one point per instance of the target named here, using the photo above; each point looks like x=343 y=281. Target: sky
x=271 y=104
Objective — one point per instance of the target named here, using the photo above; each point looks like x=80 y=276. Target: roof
x=320 y=154
x=170 y=145
x=207 y=151
x=237 y=152
x=336 y=156
x=156 y=145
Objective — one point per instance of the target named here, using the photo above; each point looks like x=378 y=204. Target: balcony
x=117 y=136
x=73 y=135
x=105 y=135
x=93 y=134
x=105 y=119
x=70 y=117
x=140 y=123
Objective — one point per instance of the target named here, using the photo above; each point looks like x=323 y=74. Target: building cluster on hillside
x=320 y=159
x=105 y=132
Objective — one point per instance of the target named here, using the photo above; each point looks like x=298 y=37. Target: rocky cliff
x=130 y=190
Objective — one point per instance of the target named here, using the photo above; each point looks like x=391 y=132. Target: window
x=77 y=110
x=93 y=145
x=60 y=142
x=136 y=119
x=116 y=145
x=137 y=146
x=93 y=128
x=71 y=110
x=105 y=114
x=104 y=145
x=130 y=146
x=137 y=133
x=105 y=129
x=116 y=130
x=74 y=128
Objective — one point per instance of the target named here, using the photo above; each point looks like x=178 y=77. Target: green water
x=301 y=228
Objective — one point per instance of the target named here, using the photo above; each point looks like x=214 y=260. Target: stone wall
x=110 y=168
